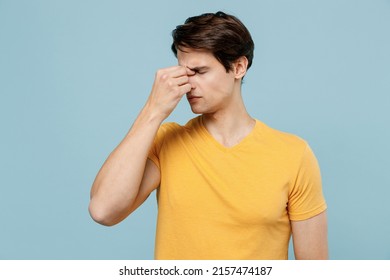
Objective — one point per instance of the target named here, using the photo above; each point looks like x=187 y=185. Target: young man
x=228 y=186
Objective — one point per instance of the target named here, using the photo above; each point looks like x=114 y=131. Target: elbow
x=101 y=215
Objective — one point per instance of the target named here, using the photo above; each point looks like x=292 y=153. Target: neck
x=231 y=125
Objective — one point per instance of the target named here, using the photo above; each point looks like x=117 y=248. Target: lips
x=190 y=97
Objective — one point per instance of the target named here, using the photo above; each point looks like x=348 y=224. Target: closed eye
x=199 y=70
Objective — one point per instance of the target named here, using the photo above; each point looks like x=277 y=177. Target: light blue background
x=74 y=75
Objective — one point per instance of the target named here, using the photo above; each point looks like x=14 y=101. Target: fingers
x=182 y=80
x=174 y=77
x=184 y=85
x=185 y=89
x=172 y=81
x=175 y=71
x=169 y=86
x=178 y=71
x=190 y=72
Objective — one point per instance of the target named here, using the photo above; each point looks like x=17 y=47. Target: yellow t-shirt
x=216 y=202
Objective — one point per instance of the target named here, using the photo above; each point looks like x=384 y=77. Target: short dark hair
x=223 y=35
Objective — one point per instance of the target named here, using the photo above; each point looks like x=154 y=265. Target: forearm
x=117 y=184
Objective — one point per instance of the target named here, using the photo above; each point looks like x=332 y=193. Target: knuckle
x=170 y=83
x=161 y=74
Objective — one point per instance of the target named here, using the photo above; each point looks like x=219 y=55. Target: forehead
x=194 y=58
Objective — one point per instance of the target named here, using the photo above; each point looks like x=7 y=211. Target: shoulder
x=173 y=130
x=282 y=141
x=169 y=127
x=166 y=130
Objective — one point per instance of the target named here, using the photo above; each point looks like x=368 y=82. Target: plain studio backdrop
x=74 y=75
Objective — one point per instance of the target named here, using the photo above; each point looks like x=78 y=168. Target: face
x=212 y=88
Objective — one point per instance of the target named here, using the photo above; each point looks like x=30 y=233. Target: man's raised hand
x=169 y=86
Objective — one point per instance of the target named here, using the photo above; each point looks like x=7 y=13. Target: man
x=228 y=186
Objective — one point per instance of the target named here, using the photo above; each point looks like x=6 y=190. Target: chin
x=197 y=110
x=194 y=109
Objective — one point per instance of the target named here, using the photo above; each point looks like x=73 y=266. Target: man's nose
x=192 y=81
x=191 y=77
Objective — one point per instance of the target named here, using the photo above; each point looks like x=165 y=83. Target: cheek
x=214 y=81
x=209 y=82
x=221 y=84
x=214 y=84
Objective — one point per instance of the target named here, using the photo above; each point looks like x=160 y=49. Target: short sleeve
x=154 y=153
x=306 y=198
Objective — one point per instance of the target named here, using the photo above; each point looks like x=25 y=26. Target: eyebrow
x=198 y=69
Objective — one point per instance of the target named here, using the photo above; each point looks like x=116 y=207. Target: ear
x=240 y=66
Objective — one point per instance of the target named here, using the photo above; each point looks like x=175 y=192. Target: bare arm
x=127 y=177
x=310 y=238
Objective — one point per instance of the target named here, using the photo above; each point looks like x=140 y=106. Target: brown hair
x=223 y=35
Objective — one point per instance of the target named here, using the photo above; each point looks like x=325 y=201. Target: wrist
x=149 y=116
